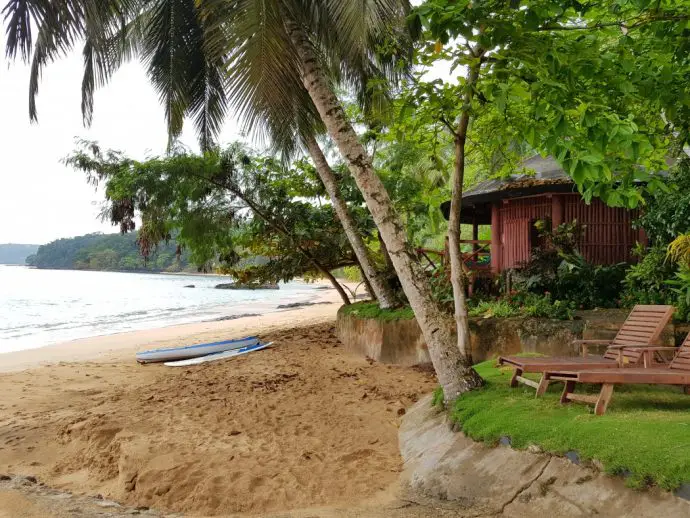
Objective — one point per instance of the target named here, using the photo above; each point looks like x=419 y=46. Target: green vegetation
x=643 y=434
x=437 y=397
x=523 y=304
x=114 y=252
x=16 y=254
x=373 y=311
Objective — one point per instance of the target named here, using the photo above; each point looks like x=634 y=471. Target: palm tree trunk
x=380 y=289
x=454 y=223
x=453 y=374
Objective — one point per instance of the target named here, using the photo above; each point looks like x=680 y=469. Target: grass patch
x=645 y=433
x=373 y=311
x=437 y=398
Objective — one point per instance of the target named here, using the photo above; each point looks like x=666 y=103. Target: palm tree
x=267 y=59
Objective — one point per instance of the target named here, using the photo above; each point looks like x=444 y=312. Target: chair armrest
x=584 y=345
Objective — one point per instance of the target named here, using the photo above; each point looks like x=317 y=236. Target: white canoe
x=194 y=351
x=219 y=356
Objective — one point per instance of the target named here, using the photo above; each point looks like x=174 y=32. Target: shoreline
x=300 y=426
x=121 y=346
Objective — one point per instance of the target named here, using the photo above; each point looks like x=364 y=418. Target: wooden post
x=495 y=238
x=543 y=384
x=604 y=398
x=514 y=379
x=557 y=211
x=569 y=387
x=475 y=232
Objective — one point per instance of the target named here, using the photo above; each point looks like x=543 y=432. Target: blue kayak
x=194 y=351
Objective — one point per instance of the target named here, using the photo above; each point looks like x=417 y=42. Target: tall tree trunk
x=380 y=290
x=455 y=377
x=367 y=284
x=338 y=287
x=455 y=253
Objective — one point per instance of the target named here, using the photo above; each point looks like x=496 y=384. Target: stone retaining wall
x=401 y=341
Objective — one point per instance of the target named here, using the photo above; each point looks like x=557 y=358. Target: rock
x=107 y=504
x=248 y=286
x=401 y=412
x=683 y=491
x=505 y=441
x=190 y=286
x=32 y=479
x=573 y=457
x=235 y=317
x=5 y=477
x=300 y=304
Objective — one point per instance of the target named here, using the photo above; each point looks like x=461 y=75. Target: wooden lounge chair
x=632 y=346
x=676 y=373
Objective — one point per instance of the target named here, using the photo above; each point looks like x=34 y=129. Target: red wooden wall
x=516 y=217
x=608 y=236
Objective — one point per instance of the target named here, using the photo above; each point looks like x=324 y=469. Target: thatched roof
x=548 y=177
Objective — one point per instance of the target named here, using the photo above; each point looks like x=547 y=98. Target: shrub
x=656 y=279
x=524 y=304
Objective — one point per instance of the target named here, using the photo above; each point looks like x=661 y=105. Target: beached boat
x=219 y=356
x=194 y=351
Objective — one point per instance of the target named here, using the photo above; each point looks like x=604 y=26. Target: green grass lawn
x=373 y=311
x=645 y=434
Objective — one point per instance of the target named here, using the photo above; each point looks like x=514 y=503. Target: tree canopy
x=224 y=206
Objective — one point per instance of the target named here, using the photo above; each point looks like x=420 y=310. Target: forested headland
x=110 y=252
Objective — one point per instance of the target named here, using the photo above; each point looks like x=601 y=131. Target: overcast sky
x=41 y=199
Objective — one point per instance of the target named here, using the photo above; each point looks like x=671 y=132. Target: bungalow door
x=515 y=242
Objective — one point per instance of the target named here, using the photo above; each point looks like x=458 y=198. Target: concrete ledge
x=401 y=341
x=448 y=470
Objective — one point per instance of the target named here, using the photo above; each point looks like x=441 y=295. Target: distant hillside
x=12 y=253
x=114 y=252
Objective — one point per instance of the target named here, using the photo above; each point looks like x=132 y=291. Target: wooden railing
x=471 y=260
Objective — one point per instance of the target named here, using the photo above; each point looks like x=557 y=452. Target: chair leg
x=604 y=398
x=568 y=389
x=543 y=384
x=513 y=381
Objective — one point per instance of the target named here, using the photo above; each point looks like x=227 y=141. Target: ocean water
x=40 y=307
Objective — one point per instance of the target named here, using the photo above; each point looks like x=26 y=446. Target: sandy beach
x=303 y=425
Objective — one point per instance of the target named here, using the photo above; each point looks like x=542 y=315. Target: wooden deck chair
x=676 y=373
x=632 y=346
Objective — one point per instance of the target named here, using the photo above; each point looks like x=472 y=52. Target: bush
x=524 y=304
x=656 y=279
x=558 y=268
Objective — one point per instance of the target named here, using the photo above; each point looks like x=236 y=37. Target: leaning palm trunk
x=380 y=290
x=454 y=375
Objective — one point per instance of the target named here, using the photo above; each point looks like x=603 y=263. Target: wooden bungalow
x=511 y=206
